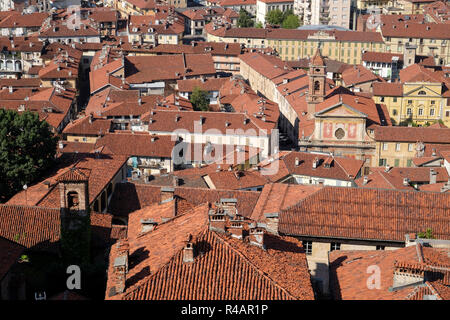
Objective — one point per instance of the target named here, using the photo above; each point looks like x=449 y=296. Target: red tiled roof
x=164 y=121
x=138 y=144
x=359 y=74
x=210 y=84
x=235 y=180
x=410 y=29
x=419 y=73
x=266 y=65
x=276 y=197
x=387 y=89
x=102 y=169
x=39 y=227
x=24 y=20
x=74 y=175
x=84 y=127
x=130 y=197
x=340 y=168
x=280 y=272
x=412 y=134
x=370 y=214
x=385 y=57
x=167 y=67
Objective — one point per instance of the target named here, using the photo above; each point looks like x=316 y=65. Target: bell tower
x=317 y=76
x=74 y=214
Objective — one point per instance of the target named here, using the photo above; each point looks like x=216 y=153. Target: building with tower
x=75 y=214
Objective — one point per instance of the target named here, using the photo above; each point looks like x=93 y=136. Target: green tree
x=27 y=148
x=259 y=25
x=245 y=20
x=291 y=22
x=426 y=235
x=274 y=17
x=199 y=99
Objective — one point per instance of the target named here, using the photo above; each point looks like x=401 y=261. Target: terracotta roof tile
x=370 y=214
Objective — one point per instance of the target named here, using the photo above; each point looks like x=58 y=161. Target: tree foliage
x=27 y=148
x=199 y=99
x=291 y=22
x=286 y=19
x=275 y=17
x=245 y=20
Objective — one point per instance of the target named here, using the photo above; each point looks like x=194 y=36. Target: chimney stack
x=387 y=168
x=433 y=176
x=366 y=180
x=406 y=274
x=236 y=226
x=90 y=117
x=148 y=225
x=121 y=265
x=188 y=250
x=315 y=163
x=297 y=162
x=217 y=218
x=167 y=194
x=405 y=182
x=257 y=235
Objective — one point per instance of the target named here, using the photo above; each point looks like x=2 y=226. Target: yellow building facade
x=294 y=46
x=419 y=102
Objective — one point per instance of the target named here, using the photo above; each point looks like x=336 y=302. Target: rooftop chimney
x=406 y=275
x=148 y=225
x=217 y=218
x=315 y=163
x=90 y=117
x=188 y=250
x=433 y=176
x=405 y=182
x=167 y=194
x=257 y=235
x=121 y=266
x=366 y=180
x=236 y=226
x=387 y=168
x=61 y=145
x=297 y=162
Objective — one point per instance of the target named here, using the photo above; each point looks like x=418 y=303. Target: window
x=397 y=147
x=409 y=111
x=335 y=246
x=432 y=101
x=411 y=147
x=382 y=162
x=408 y=163
x=396 y=162
x=394 y=99
x=420 y=112
x=421 y=93
x=307 y=245
x=431 y=112
x=382 y=99
x=339 y=133
x=73 y=200
x=409 y=101
x=385 y=146
x=380 y=247
x=394 y=112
